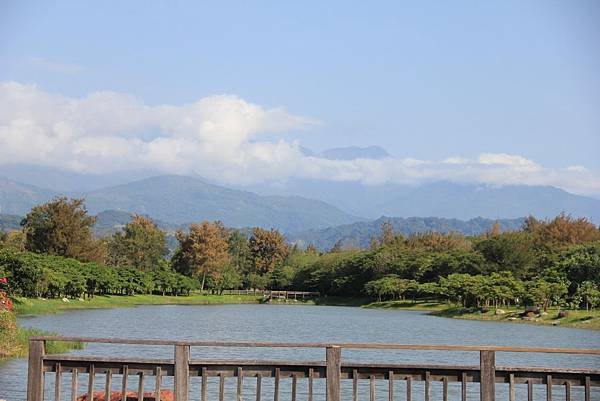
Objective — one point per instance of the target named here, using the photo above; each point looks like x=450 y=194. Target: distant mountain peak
x=355 y=152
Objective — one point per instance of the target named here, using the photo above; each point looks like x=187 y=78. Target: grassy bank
x=40 y=306
x=575 y=318
x=14 y=340
x=580 y=319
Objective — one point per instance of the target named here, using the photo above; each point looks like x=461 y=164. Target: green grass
x=52 y=347
x=575 y=318
x=40 y=306
x=14 y=340
x=418 y=305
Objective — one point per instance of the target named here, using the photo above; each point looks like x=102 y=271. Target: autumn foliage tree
x=203 y=251
x=267 y=249
x=563 y=230
x=62 y=227
x=141 y=244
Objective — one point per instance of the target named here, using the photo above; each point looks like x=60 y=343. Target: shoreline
x=29 y=307
x=580 y=319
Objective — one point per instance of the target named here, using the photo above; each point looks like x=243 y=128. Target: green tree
x=62 y=227
x=589 y=294
x=509 y=251
x=546 y=293
x=239 y=251
x=227 y=278
x=267 y=249
x=203 y=251
x=141 y=245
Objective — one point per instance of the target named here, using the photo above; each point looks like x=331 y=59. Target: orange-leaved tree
x=203 y=250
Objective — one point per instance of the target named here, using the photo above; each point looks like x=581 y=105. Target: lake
x=298 y=323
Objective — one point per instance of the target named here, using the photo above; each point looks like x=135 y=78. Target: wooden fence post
x=333 y=357
x=182 y=372
x=487 y=367
x=35 y=370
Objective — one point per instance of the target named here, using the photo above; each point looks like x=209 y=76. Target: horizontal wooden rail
x=182 y=368
x=385 y=346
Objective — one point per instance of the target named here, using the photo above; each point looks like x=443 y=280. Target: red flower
x=4 y=280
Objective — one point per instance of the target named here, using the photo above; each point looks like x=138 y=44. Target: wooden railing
x=333 y=371
x=275 y=294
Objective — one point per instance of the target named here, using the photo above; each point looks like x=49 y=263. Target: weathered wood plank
x=182 y=372
x=57 y=382
x=588 y=390
x=372 y=388
x=240 y=383
x=74 y=383
x=391 y=385
x=427 y=385
x=294 y=385
x=311 y=374
x=124 y=383
x=549 y=388
x=511 y=387
x=333 y=358
x=108 y=383
x=487 y=363
x=354 y=385
x=445 y=388
x=157 y=383
x=221 y=388
x=276 y=389
x=35 y=370
x=91 y=374
x=258 y=386
x=567 y=391
x=140 y=387
x=409 y=388
x=204 y=383
x=529 y=390
x=416 y=347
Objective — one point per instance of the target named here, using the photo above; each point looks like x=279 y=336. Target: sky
x=497 y=92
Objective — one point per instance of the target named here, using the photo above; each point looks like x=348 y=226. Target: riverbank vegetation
x=547 y=265
x=14 y=340
x=44 y=306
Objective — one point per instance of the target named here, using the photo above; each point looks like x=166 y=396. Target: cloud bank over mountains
x=224 y=138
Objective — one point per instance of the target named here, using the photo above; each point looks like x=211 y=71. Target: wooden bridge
x=275 y=294
x=339 y=379
x=291 y=295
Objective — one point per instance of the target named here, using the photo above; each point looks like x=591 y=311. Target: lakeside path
x=575 y=318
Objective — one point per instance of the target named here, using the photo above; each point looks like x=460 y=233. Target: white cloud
x=222 y=138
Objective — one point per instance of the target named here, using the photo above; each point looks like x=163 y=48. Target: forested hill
x=359 y=235
x=181 y=200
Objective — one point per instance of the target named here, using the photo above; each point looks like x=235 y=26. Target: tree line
x=547 y=263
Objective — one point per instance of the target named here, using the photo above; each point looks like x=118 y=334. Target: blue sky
x=425 y=80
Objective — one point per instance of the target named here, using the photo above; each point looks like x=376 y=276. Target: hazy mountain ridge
x=295 y=205
x=180 y=200
x=10 y=222
x=440 y=199
x=18 y=198
x=359 y=235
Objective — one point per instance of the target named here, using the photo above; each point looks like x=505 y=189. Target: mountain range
x=293 y=206
x=181 y=200
x=359 y=235
x=439 y=199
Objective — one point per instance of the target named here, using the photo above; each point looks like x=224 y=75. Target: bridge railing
x=330 y=373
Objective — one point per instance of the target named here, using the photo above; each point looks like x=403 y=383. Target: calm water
x=302 y=324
